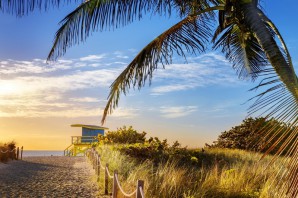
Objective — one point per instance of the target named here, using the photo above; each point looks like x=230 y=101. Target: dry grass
x=240 y=175
x=5 y=156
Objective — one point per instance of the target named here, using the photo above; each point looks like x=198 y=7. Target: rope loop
x=121 y=189
x=92 y=154
x=110 y=176
x=10 y=151
x=142 y=192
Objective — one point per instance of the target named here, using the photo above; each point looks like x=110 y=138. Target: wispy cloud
x=122 y=112
x=36 y=89
x=93 y=57
x=177 y=111
x=84 y=99
x=202 y=71
x=66 y=88
x=36 y=66
x=160 y=90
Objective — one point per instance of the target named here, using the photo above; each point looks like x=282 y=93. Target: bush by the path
x=7 y=151
x=123 y=135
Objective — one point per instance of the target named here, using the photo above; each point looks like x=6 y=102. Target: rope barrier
x=8 y=151
x=142 y=192
x=94 y=158
x=121 y=189
x=101 y=166
x=110 y=176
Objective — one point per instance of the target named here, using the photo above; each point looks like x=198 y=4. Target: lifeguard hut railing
x=79 y=144
x=83 y=139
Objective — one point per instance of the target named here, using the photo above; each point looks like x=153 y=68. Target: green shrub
x=123 y=135
x=249 y=135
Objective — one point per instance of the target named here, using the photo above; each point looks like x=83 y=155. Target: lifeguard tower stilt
x=79 y=144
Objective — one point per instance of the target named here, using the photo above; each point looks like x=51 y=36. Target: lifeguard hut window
x=89 y=131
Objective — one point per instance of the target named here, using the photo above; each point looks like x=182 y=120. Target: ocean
x=30 y=153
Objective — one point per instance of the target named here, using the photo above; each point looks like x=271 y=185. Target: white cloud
x=159 y=90
x=177 y=111
x=36 y=89
x=121 y=55
x=93 y=57
x=206 y=70
x=125 y=112
x=84 y=99
x=66 y=88
x=38 y=108
x=36 y=66
x=67 y=82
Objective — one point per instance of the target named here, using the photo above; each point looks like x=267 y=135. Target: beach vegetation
x=247 y=136
x=214 y=172
x=7 y=151
x=172 y=171
x=123 y=135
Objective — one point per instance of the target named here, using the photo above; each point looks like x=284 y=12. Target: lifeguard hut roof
x=89 y=126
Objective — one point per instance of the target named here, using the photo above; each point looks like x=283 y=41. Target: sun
x=9 y=88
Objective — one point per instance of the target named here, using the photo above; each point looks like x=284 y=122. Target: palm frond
x=188 y=7
x=94 y=15
x=241 y=49
x=280 y=100
x=21 y=7
x=274 y=29
x=190 y=34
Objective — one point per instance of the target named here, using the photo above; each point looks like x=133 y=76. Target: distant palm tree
x=246 y=36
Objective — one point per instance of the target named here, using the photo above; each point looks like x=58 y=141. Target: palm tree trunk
x=284 y=70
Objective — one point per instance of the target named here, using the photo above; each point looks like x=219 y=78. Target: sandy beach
x=48 y=177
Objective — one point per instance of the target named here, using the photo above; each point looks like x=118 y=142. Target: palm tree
x=246 y=36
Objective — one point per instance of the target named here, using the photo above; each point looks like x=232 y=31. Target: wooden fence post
x=96 y=162
x=140 y=183
x=94 y=159
x=106 y=180
x=18 y=152
x=114 y=192
x=22 y=152
x=98 y=168
x=92 y=154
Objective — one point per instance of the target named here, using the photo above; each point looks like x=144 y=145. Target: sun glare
x=9 y=88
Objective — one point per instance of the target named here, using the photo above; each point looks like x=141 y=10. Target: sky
x=190 y=102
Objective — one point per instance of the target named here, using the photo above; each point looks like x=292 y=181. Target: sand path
x=48 y=177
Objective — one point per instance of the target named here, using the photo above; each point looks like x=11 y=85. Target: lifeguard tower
x=79 y=144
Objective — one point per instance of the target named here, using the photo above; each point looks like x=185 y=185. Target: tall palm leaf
x=191 y=34
x=23 y=7
x=282 y=98
x=99 y=15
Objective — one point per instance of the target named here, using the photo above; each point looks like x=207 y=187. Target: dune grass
x=5 y=151
x=220 y=173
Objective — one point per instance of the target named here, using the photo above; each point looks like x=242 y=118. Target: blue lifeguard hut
x=79 y=144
